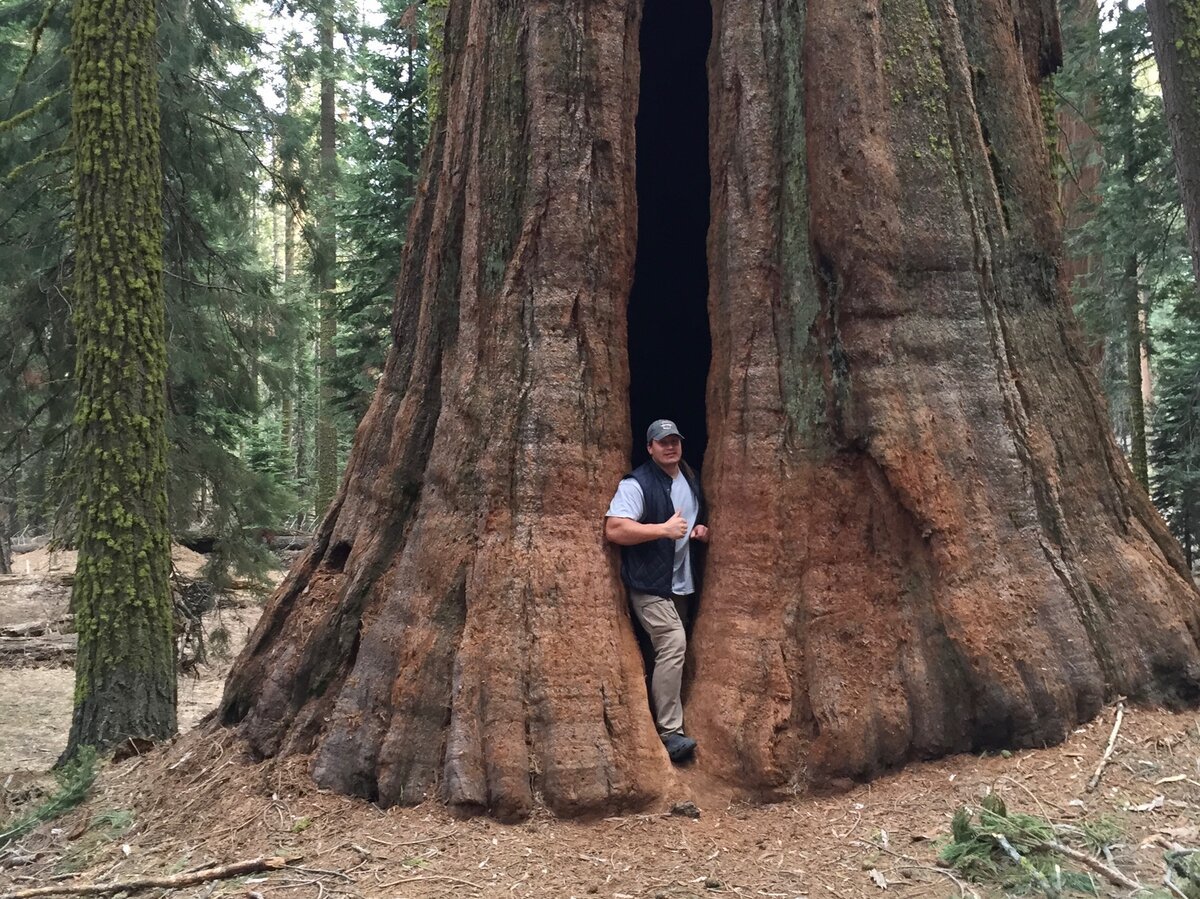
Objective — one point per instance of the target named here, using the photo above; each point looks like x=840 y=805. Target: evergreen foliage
x=994 y=846
x=74 y=781
x=1132 y=237
x=385 y=140
x=231 y=337
x=1175 y=449
x=1137 y=296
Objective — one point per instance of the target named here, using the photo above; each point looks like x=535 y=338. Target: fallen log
x=38 y=628
x=54 y=649
x=290 y=541
x=28 y=546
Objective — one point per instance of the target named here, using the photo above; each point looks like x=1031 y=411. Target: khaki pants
x=664 y=620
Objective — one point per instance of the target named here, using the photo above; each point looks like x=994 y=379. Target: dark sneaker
x=679 y=746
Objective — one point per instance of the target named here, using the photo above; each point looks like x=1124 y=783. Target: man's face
x=667 y=451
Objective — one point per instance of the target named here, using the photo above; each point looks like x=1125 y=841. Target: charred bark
x=925 y=539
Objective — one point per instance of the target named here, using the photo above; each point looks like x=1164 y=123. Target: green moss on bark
x=125 y=668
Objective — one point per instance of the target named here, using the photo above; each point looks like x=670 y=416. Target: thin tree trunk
x=125 y=666
x=1135 y=388
x=1175 y=28
x=7 y=508
x=1080 y=152
x=1131 y=294
x=287 y=435
x=925 y=540
x=326 y=441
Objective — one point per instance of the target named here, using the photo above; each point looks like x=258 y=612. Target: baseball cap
x=662 y=428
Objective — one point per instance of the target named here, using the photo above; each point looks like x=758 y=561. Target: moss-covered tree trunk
x=924 y=537
x=125 y=668
x=1175 y=28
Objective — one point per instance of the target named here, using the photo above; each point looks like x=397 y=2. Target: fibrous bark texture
x=924 y=539
x=1175 y=28
x=125 y=667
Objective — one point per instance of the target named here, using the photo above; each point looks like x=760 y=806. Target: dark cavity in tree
x=669 y=342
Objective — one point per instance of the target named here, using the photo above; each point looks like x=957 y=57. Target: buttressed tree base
x=925 y=539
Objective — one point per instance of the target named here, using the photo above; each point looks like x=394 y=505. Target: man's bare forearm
x=627 y=532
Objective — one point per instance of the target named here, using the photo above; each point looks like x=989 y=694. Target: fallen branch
x=963 y=889
x=1169 y=883
x=1022 y=863
x=1112 y=875
x=1112 y=744
x=219 y=872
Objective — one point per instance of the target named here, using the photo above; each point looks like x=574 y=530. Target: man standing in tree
x=653 y=519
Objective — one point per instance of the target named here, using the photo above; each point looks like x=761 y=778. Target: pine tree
x=228 y=329
x=1128 y=233
x=1176 y=444
x=325 y=261
x=125 y=666
x=387 y=134
x=1176 y=28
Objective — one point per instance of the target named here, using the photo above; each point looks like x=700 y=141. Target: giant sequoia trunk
x=924 y=537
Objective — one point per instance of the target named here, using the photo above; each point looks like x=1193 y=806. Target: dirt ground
x=35 y=701
x=201 y=801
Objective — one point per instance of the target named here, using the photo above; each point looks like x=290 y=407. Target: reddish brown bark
x=925 y=539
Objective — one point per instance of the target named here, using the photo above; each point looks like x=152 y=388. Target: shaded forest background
x=283 y=243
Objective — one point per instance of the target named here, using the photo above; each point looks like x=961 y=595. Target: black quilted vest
x=647 y=567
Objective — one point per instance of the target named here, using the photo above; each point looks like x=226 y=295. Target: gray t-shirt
x=629 y=503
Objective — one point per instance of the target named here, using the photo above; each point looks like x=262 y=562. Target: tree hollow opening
x=669 y=342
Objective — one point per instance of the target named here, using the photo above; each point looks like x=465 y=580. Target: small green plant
x=1016 y=852
x=74 y=781
x=219 y=643
x=115 y=821
x=1101 y=834
x=1183 y=869
x=301 y=825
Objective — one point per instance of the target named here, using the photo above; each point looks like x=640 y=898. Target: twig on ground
x=1112 y=875
x=1169 y=883
x=1108 y=751
x=915 y=865
x=319 y=871
x=1028 y=792
x=963 y=889
x=218 y=872
x=392 y=883
x=409 y=842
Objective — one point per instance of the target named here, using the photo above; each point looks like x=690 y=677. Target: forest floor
x=36 y=699
x=201 y=801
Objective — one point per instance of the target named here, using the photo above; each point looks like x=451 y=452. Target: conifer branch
x=12 y=122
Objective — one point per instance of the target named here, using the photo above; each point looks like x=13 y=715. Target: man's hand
x=675 y=527
x=700 y=532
